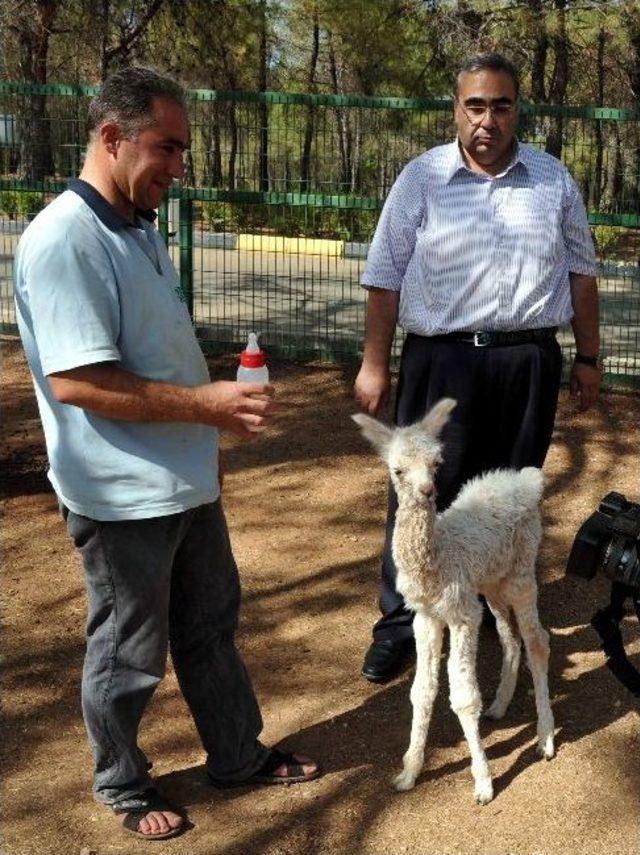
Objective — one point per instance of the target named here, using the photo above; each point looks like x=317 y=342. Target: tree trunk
x=216 y=154
x=189 y=170
x=232 y=84
x=596 y=186
x=344 y=141
x=305 y=162
x=263 y=110
x=559 y=80
x=104 y=38
x=33 y=123
x=355 y=160
x=614 y=171
x=630 y=17
x=342 y=123
x=233 y=146
x=210 y=131
x=539 y=59
x=631 y=20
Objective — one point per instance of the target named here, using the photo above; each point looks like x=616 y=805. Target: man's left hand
x=585 y=385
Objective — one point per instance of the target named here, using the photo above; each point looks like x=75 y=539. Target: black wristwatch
x=586 y=360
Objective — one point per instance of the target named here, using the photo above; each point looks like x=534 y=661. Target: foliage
x=18 y=203
x=395 y=47
x=295 y=221
x=585 y=53
x=9 y=203
x=30 y=204
x=219 y=217
x=607 y=238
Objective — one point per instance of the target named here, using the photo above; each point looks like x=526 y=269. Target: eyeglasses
x=475 y=113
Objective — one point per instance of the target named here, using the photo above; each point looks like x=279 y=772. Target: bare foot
x=156 y=822
x=309 y=767
x=279 y=767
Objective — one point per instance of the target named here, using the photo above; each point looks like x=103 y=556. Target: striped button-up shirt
x=469 y=251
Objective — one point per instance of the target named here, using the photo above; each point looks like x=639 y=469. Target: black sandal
x=266 y=773
x=137 y=807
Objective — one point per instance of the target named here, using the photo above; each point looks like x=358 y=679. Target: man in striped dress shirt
x=482 y=250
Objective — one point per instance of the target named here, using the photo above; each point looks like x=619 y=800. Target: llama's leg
x=466 y=702
x=428 y=635
x=507 y=628
x=536 y=642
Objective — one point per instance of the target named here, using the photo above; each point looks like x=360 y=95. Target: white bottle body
x=253 y=375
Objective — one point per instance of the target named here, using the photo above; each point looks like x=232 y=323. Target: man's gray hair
x=126 y=98
x=490 y=62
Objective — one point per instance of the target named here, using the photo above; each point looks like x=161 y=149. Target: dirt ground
x=306 y=504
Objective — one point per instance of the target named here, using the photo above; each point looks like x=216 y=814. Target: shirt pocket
x=537 y=222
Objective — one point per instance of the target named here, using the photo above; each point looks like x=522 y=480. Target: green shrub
x=219 y=217
x=606 y=238
x=9 y=203
x=30 y=204
x=18 y=203
x=290 y=221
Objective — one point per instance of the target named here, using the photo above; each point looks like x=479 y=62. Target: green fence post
x=163 y=219
x=186 y=251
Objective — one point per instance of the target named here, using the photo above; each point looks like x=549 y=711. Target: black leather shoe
x=386 y=658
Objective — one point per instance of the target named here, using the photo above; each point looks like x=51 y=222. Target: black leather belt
x=497 y=338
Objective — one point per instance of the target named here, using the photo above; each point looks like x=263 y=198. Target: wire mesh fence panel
x=308 y=144
x=271 y=226
x=252 y=273
x=17 y=209
x=10 y=232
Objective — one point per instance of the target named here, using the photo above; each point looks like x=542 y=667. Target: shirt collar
x=103 y=209
x=456 y=161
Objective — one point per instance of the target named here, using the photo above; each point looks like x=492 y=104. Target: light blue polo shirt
x=90 y=287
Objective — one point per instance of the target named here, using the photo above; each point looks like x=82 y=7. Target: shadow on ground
x=306 y=508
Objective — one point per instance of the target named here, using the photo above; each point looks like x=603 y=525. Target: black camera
x=609 y=541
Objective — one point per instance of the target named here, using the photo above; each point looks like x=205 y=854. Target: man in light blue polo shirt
x=131 y=425
x=482 y=250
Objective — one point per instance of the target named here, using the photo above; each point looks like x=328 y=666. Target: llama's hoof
x=404 y=781
x=546 y=749
x=484 y=792
x=494 y=712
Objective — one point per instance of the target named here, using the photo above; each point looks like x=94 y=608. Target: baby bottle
x=253 y=367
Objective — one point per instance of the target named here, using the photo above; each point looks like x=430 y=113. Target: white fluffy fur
x=486 y=543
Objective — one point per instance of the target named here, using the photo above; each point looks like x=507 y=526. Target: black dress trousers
x=507 y=398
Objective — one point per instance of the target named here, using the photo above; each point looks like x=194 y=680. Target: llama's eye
x=398 y=472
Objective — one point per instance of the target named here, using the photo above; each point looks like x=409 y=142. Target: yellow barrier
x=291 y=245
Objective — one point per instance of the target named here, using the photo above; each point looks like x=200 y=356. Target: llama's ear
x=438 y=416
x=378 y=434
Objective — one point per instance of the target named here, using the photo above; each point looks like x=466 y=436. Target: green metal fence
x=271 y=226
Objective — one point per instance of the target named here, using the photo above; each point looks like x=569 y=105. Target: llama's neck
x=414 y=549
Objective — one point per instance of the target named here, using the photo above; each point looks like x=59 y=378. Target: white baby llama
x=486 y=542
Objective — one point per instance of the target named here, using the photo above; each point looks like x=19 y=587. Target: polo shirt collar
x=456 y=160
x=105 y=212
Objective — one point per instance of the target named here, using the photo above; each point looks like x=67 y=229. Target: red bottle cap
x=253 y=360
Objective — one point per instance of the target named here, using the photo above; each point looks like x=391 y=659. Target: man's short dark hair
x=490 y=62
x=126 y=98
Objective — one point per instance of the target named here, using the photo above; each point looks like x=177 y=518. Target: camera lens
x=629 y=566
x=620 y=561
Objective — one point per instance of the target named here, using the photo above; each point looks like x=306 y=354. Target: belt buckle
x=481 y=339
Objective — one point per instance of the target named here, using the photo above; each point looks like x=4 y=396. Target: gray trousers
x=153 y=584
